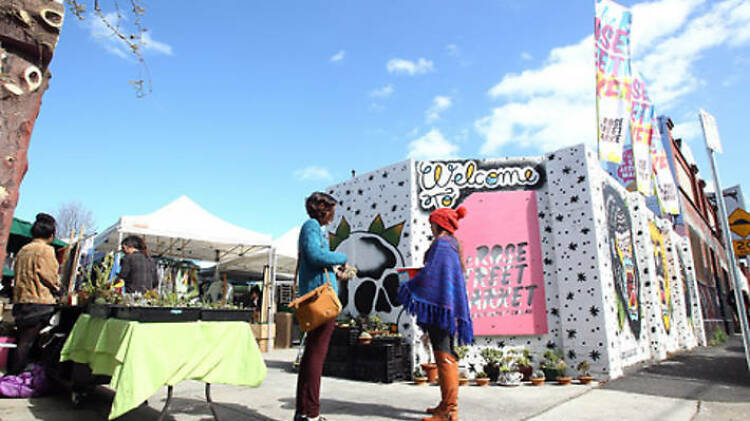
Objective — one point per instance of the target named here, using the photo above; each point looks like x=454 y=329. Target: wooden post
x=28 y=36
x=224 y=289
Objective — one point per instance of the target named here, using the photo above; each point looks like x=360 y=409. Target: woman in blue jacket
x=315 y=258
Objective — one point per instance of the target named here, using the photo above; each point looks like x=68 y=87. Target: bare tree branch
x=72 y=216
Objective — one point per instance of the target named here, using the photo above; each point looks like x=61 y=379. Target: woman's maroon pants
x=311 y=368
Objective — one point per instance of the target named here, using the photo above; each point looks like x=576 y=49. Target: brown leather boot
x=448 y=372
x=441 y=383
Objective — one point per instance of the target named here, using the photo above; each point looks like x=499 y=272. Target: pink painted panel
x=502 y=251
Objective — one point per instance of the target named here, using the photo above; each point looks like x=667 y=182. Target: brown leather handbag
x=317 y=306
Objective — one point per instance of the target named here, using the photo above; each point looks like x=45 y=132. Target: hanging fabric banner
x=612 y=49
x=642 y=120
x=666 y=188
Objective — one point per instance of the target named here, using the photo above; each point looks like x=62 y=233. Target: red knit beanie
x=447 y=218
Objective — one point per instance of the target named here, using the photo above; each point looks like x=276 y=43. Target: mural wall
x=558 y=256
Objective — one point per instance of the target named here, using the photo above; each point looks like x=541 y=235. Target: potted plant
x=463 y=371
x=523 y=362
x=509 y=376
x=365 y=338
x=430 y=370
x=419 y=378
x=549 y=364
x=584 y=373
x=562 y=370
x=481 y=379
x=537 y=378
x=492 y=359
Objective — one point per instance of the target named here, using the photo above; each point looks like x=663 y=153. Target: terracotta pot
x=564 y=381
x=484 y=381
x=585 y=379
x=365 y=341
x=430 y=370
x=463 y=381
x=537 y=381
x=420 y=381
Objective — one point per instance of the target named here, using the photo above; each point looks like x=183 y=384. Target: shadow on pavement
x=225 y=411
x=716 y=374
x=282 y=365
x=331 y=407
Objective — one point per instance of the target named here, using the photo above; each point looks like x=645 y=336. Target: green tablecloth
x=142 y=357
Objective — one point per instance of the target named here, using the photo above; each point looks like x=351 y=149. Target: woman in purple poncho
x=437 y=297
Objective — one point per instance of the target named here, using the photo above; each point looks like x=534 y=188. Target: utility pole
x=713 y=145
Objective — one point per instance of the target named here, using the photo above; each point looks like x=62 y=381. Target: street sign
x=710 y=131
x=739 y=222
x=741 y=247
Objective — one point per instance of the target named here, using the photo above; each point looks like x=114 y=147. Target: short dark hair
x=319 y=204
x=136 y=242
x=43 y=227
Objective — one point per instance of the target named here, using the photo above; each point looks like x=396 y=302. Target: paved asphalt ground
x=704 y=384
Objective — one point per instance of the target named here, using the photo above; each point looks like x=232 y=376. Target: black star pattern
x=472 y=368
x=566 y=170
x=573 y=246
x=570 y=296
x=595 y=355
x=574 y=199
x=554 y=311
x=572 y=333
x=594 y=311
x=547 y=261
x=559 y=218
x=548 y=229
x=551 y=156
x=551 y=345
x=572 y=355
x=585 y=231
x=385 y=174
x=541 y=215
x=500 y=344
x=581 y=277
x=581 y=179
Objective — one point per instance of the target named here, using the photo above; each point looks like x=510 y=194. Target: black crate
x=339 y=353
x=379 y=371
x=226 y=315
x=378 y=352
x=337 y=369
x=345 y=335
x=387 y=340
x=156 y=314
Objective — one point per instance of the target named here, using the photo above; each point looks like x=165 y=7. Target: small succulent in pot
x=537 y=378
x=584 y=372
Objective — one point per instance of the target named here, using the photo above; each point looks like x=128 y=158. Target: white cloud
x=338 y=56
x=432 y=146
x=439 y=104
x=453 y=50
x=104 y=36
x=402 y=66
x=383 y=92
x=526 y=56
x=313 y=172
x=553 y=105
x=149 y=44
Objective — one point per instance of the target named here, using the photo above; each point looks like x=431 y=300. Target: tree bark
x=29 y=30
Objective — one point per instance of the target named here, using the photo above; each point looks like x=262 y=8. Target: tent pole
x=272 y=283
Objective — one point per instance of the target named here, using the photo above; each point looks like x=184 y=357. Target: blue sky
x=257 y=104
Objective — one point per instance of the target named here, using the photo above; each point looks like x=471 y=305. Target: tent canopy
x=23 y=229
x=184 y=229
x=286 y=257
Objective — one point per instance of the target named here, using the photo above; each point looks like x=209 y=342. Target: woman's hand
x=345 y=272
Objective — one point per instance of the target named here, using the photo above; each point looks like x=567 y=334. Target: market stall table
x=142 y=357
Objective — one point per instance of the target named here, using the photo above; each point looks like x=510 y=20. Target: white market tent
x=184 y=229
x=286 y=257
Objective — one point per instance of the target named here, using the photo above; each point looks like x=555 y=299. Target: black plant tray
x=345 y=335
x=101 y=311
x=228 y=315
x=394 y=340
x=156 y=314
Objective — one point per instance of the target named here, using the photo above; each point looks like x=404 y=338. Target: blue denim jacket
x=314 y=255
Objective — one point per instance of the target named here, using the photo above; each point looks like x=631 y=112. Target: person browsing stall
x=437 y=297
x=36 y=289
x=137 y=270
x=315 y=258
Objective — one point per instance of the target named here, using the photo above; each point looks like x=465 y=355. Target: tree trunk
x=28 y=36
